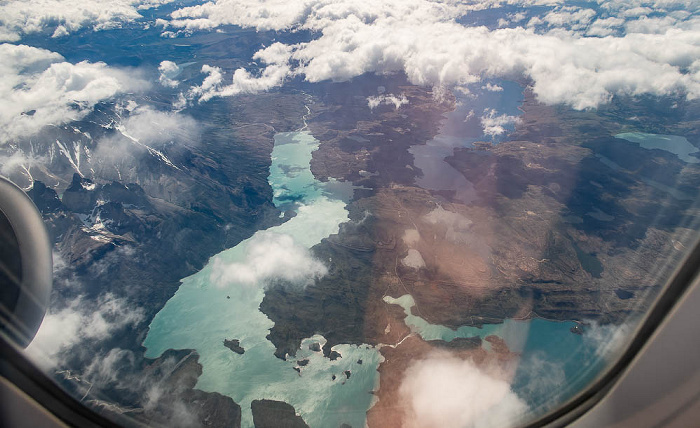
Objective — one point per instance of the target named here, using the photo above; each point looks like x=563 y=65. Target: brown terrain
x=555 y=232
x=391 y=408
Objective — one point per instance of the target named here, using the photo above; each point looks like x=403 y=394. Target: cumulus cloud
x=605 y=27
x=269 y=256
x=168 y=72
x=494 y=124
x=397 y=101
x=492 y=88
x=39 y=88
x=570 y=17
x=62 y=17
x=445 y=391
x=81 y=319
x=424 y=40
x=275 y=72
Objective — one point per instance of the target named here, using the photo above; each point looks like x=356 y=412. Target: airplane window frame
x=661 y=309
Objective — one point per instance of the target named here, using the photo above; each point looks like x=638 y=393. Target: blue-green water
x=554 y=365
x=201 y=315
x=675 y=144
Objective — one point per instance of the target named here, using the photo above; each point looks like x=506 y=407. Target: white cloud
x=19 y=161
x=60 y=31
x=492 y=88
x=645 y=7
x=636 y=12
x=494 y=124
x=154 y=389
x=570 y=17
x=423 y=40
x=605 y=27
x=609 y=340
x=211 y=84
x=269 y=256
x=444 y=391
x=273 y=75
x=105 y=369
x=517 y=17
x=663 y=25
x=144 y=132
x=168 y=71
x=156 y=128
x=39 y=88
x=18 y=17
x=80 y=320
x=397 y=101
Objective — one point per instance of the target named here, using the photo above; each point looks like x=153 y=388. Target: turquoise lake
x=675 y=144
x=200 y=316
x=554 y=364
x=213 y=305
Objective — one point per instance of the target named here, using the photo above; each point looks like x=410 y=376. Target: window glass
x=395 y=213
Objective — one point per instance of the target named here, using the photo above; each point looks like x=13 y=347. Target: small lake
x=675 y=144
x=554 y=364
x=460 y=129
